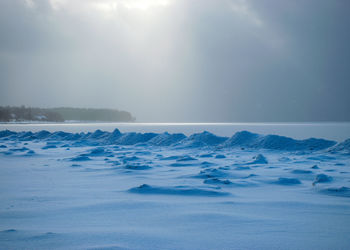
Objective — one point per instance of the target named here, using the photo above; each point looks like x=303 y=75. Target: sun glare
x=144 y=4
x=109 y=7
x=106 y=7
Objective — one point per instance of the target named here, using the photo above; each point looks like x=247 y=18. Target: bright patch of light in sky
x=106 y=7
x=110 y=5
x=144 y=4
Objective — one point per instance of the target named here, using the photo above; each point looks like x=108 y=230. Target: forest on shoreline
x=23 y=114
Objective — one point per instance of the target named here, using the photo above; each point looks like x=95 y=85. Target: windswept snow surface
x=113 y=190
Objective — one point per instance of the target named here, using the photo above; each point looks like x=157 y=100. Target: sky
x=180 y=60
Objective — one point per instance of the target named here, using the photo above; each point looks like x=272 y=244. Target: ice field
x=132 y=190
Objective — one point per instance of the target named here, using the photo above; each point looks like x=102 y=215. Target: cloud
x=178 y=60
x=244 y=10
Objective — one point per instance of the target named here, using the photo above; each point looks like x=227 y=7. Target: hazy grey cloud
x=177 y=60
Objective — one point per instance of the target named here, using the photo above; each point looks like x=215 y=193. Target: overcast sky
x=180 y=60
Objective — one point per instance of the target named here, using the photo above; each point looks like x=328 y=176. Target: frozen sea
x=198 y=186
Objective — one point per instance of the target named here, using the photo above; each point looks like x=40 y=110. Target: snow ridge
x=242 y=139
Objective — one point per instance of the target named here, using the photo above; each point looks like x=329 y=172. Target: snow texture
x=113 y=190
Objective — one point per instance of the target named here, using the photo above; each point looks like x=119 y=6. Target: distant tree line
x=89 y=114
x=22 y=113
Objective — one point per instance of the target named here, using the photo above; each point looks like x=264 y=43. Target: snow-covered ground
x=337 y=131
x=113 y=190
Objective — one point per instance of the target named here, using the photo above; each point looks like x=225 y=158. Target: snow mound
x=170 y=158
x=220 y=156
x=242 y=168
x=30 y=153
x=259 y=159
x=241 y=139
x=6 y=133
x=98 y=134
x=285 y=143
x=137 y=167
x=301 y=171
x=177 y=190
x=48 y=146
x=287 y=181
x=206 y=155
x=322 y=178
x=178 y=164
x=216 y=181
x=128 y=159
x=25 y=136
x=166 y=139
x=134 y=138
x=22 y=149
x=60 y=135
x=202 y=139
x=250 y=176
x=275 y=142
x=43 y=134
x=80 y=158
x=186 y=158
x=211 y=173
x=98 y=151
x=207 y=163
x=343 y=147
x=113 y=137
x=75 y=166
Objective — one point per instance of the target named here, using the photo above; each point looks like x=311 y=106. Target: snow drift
x=243 y=140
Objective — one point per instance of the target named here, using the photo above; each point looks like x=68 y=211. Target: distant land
x=24 y=114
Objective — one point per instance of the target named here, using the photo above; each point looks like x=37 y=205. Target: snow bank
x=275 y=142
x=243 y=139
